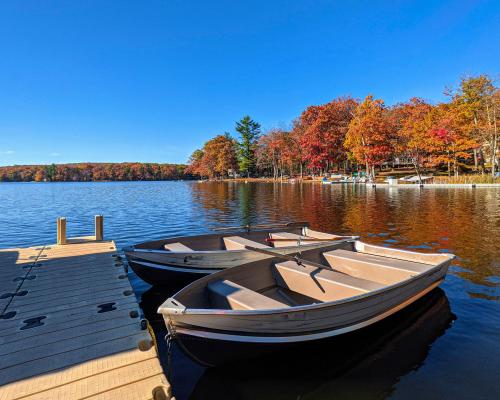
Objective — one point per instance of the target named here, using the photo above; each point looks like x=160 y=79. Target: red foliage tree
x=324 y=131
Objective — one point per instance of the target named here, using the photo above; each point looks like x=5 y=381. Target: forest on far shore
x=457 y=136
x=87 y=172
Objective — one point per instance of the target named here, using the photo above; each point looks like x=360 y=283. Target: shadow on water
x=364 y=364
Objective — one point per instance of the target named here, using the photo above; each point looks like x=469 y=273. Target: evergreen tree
x=50 y=172
x=249 y=131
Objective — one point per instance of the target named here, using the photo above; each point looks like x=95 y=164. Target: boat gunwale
x=131 y=250
x=211 y=252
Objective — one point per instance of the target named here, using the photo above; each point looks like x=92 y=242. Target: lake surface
x=447 y=345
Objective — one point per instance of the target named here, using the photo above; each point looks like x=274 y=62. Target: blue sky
x=153 y=80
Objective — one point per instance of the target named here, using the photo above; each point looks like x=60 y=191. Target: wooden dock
x=70 y=326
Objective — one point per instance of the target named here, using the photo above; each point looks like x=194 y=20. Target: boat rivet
x=133 y=314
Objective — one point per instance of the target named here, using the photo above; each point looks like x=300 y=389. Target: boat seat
x=239 y=243
x=287 y=235
x=320 y=235
x=225 y=294
x=321 y=284
x=386 y=270
x=176 y=247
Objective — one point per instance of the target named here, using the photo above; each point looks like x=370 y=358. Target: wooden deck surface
x=70 y=327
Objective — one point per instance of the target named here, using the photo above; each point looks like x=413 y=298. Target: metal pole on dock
x=99 y=227
x=61 y=230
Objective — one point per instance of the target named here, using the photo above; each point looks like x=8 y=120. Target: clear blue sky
x=152 y=80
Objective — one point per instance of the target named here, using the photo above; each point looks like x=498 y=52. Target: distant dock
x=70 y=325
x=438 y=185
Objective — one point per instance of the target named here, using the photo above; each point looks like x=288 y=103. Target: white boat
x=271 y=303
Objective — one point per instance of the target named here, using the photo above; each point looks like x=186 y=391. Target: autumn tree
x=479 y=101
x=195 y=165
x=278 y=150
x=219 y=156
x=325 y=129
x=450 y=139
x=267 y=153
x=412 y=137
x=370 y=133
x=249 y=132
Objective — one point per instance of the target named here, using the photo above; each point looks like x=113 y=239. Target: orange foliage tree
x=412 y=138
x=449 y=136
x=217 y=159
x=370 y=134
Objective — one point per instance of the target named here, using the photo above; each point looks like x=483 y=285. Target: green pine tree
x=249 y=131
x=50 y=172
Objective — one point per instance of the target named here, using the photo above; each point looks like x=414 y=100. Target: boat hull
x=218 y=338
x=165 y=275
x=213 y=353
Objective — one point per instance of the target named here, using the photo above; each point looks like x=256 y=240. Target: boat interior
x=353 y=269
x=238 y=240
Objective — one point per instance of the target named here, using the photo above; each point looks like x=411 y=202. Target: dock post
x=61 y=230
x=99 y=227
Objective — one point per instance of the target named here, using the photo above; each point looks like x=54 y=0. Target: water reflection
x=362 y=365
x=463 y=221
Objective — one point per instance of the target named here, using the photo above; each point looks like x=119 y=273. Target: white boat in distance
x=269 y=304
x=180 y=260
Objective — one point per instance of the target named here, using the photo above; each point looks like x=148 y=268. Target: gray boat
x=281 y=301
x=181 y=260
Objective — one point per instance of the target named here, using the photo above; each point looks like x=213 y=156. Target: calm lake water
x=444 y=346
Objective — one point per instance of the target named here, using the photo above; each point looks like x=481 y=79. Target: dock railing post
x=99 y=227
x=61 y=230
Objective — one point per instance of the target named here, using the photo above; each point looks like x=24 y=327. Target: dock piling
x=99 y=227
x=61 y=230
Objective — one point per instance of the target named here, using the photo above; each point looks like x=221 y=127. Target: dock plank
x=81 y=348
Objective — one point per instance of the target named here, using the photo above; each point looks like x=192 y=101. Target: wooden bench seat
x=321 y=284
x=239 y=243
x=293 y=239
x=375 y=268
x=176 y=247
x=225 y=294
x=319 y=235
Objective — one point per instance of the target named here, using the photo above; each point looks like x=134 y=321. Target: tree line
x=87 y=172
x=346 y=134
